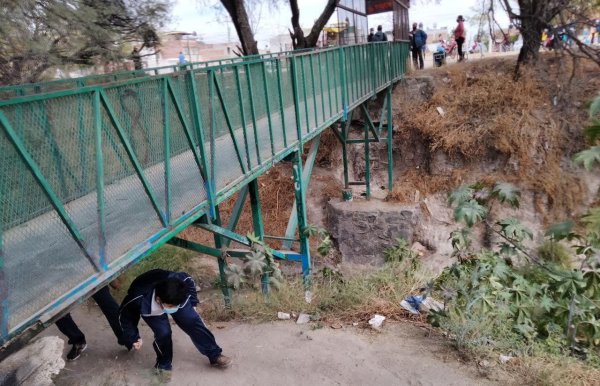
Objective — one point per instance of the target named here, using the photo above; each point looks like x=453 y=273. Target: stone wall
x=364 y=229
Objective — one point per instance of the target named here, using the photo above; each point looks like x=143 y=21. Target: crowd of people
x=418 y=44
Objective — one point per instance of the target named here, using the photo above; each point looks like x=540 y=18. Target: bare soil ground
x=273 y=354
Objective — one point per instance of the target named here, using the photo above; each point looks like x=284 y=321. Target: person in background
x=379 y=35
x=424 y=45
x=154 y=296
x=181 y=58
x=67 y=325
x=136 y=58
x=371 y=35
x=418 y=38
x=460 y=35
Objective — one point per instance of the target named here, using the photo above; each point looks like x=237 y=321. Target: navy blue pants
x=109 y=308
x=190 y=322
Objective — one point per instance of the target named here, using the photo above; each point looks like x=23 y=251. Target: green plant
x=511 y=294
x=325 y=243
x=399 y=252
x=258 y=265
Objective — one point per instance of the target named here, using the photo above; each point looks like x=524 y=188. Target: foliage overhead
x=36 y=35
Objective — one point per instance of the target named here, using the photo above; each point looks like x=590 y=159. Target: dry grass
x=489 y=117
x=355 y=298
x=544 y=371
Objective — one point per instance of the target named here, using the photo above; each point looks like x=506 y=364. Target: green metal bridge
x=98 y=172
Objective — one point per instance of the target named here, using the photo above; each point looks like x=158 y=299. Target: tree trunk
x=239 y=18
x=299 y=41
x=531 y=31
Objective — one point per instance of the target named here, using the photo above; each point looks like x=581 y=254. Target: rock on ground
x=34 y=365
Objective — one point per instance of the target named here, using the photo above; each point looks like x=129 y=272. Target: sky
x=211 y=25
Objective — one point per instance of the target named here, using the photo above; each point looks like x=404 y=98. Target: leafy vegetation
x=517 y=300
x=259 y=265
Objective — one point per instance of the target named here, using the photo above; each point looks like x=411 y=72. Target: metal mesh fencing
x=122 y=162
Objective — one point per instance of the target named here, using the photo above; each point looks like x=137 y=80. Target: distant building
x=194 y=50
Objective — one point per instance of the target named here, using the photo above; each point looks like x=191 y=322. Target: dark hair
x=171 y=291
x=379 y=28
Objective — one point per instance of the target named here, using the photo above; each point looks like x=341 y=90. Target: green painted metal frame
x=349 y=91
x=55 y=201
x=292 y=225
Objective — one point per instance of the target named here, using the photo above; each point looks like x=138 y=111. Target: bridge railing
x=94 y=178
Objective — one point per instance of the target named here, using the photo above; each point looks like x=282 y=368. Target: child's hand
x=138 y=345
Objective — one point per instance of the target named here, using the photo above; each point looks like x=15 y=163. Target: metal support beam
x=167 y=149
x=300 y=192
x=367 y=161
x=390 y=140
x=258 y=224
x=236 y=212
x=3 y=290
x=292 y=225
x=100 y=181
x=221 y=259
x=345 y=128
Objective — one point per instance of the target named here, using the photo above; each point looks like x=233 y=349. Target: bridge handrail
x=72 y=161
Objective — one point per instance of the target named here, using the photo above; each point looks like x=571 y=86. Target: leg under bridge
x=98 y=172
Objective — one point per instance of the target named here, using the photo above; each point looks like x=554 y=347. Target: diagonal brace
x=306 y=173
x=132 y=157
x=47 y=189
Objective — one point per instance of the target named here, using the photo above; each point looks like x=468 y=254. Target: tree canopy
x=36 y=35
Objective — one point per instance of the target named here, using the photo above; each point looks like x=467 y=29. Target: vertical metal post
x=343 y=85
x=268 y=106
x=222 y=263
x=258 y=224
x=294 y=70
x=390 y=140
x=320 y=61
x=100 y=182
x=253 y=111
x=314 y=87
x=281 y=106
x=243 y=114
x=213 y=131
x=199 y=125
x=3 y=289
x=367 y=162
x=299 y=191
x=345 y=126
x=302 y=72
x=166 y=150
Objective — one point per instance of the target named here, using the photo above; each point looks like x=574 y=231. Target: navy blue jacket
x=138 y=301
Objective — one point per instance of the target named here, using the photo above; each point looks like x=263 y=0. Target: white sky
x=196 y=16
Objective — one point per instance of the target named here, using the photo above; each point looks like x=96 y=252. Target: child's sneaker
x=76 y=351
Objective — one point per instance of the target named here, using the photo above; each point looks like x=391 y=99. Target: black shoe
x=76 y=351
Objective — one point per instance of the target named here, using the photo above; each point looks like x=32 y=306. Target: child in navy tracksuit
x=156 y=294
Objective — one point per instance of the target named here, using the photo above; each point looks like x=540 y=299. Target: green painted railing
x=98 y=175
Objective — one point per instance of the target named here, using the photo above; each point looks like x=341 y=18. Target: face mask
x=169 y=311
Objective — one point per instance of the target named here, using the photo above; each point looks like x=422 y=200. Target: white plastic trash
x=283 y=315
x=303 y=319
x=376 y=321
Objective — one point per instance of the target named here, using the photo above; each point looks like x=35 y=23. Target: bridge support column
x=258 y=224
x=300 y=193
x=390 y=139
x=222 y=263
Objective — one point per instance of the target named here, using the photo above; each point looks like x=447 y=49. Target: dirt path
x=273 y=354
